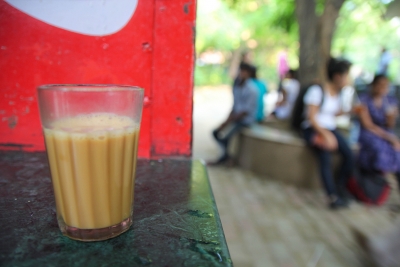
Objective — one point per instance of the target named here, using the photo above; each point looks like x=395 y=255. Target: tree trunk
x=315 y=34
x=234 y=63
x=309 y=45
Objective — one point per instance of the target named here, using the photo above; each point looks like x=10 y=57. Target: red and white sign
x=148 y=43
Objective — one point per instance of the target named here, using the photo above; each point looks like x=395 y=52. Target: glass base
x=89 y=235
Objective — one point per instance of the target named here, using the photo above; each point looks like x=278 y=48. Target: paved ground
x=270 y=224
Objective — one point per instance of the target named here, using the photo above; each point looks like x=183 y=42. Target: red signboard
x=148 y=43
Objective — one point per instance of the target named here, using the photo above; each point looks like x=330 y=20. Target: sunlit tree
x=310 y=29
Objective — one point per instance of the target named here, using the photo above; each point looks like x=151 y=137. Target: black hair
x=253 y=73
x=247 y=67
x=337 y=66
x=293 y=73
x=377 y=77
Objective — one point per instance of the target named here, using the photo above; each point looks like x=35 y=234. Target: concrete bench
x=277 y=154
x=275 y=151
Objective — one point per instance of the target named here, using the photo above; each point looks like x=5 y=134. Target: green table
x=176 y=222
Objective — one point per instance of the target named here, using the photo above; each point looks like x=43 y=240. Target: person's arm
x=284 y=94
x=329 y=138
x=238 y=116
x=341 y=112
x=231 y=118
x=391 y=119
x=313 y=100
x=250 y=102
x=284 y=98
x=368 y=124
x=235 y=117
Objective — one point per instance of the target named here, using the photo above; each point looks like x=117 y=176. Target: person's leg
x=228 y=136
x=347 y=163
x=220 y=141
x=324 y=160
x=324 y=163
x=224 y=140
x=325 y=168
x=215 y=133
x=336 y=198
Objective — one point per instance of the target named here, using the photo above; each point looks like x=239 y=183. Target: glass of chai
x=91 y=134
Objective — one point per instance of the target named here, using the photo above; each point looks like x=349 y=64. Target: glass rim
x=89 y=87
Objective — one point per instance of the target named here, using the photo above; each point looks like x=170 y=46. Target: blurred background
x=265 y=28
x=268 y=222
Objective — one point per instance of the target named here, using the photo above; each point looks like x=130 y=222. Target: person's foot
x=345 y=195
x=230 y=163
x=219 y=161
x=338 y=203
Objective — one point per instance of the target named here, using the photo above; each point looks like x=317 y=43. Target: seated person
x=262 y=90
x=322 y=105
x=290 y=90
x=379 y=146
x=243 y=114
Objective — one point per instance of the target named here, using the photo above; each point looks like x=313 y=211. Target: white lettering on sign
x=95 y=18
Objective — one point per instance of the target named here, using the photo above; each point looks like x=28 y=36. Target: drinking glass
x=91 y=135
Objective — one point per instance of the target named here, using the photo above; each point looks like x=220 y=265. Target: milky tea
x=92 y=158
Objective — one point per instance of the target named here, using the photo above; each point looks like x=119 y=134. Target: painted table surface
x=176 y=222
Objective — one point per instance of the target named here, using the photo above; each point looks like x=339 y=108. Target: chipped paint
x=12 y=121
x=186 y=7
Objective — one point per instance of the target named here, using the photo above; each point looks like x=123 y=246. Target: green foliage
x=263 y=27
x=266 y=27
x=283 y=16
x=217 y=27
x=362 y=33
x=319 y=7
x=211 y=75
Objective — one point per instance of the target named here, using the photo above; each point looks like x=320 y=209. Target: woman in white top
x=322 y=105
x=290 y=90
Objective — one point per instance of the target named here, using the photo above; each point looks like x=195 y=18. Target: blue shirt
x=245 y=99
x=262 y=90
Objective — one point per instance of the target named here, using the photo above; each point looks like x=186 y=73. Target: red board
x=154 y=50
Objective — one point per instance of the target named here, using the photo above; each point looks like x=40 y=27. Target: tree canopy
x=266 y=27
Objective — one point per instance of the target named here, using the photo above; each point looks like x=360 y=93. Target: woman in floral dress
x=379 y=146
